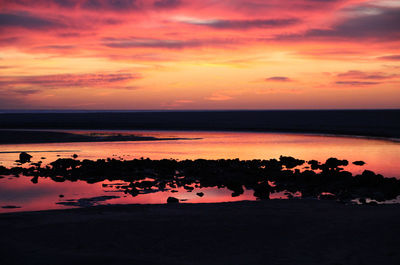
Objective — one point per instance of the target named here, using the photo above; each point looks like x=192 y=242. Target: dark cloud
x=8 y=41
x=37 y=3
x=69 y=35
x=113 y=5
x=26 y=91
x=8 y=101
x=252 y=6
x=157 y=43
x=278 y=79
x=66 y=3
x=361 y=78
x=167 y=3
x=66 y=80
x=325 y=1
x=28 y=21
x=244 y=24
x=382 y=25
x=353 y=74
x=356 y=83
x=56 y=47
x=394 y=57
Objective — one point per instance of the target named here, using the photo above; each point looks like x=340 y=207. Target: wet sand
x=263 y=232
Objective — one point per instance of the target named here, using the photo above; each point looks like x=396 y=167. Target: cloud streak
x=27 y=21
x=394 y=57
x=356 y=83
x=67 y=81
x=240 y=24
x=167 y=4
x=278 y=79
x=380 y=25
x=114 y=5
x=162 y=43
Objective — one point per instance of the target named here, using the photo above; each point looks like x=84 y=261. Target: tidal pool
x=380 y=156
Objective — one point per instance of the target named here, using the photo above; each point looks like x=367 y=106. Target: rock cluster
x=312 y=179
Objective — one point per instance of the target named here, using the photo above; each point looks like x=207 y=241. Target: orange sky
x=199 y=54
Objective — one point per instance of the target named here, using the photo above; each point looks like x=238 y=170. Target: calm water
x=380 y=157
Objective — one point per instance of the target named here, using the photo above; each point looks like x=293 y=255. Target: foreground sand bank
x=263 y=232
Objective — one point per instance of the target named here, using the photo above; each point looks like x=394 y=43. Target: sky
x=199 y=54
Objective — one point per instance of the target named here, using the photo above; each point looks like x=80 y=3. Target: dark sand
x=33 y=136
x=274 y=232
x=264 y=232
x=377 y=123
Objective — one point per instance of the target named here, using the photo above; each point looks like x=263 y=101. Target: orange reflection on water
x=46 y=194
x=380 y=157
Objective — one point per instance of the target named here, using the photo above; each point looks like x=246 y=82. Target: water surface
x=380 y=156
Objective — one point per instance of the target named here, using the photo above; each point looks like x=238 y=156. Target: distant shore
x=39 y=136
x=370 y=123
x=281 y=232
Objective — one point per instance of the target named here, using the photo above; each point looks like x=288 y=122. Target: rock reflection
x=87 y=202
x=311 y=179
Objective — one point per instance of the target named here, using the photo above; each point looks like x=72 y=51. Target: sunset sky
x=199 y=54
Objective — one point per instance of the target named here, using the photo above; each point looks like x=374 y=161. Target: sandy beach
x=263 y=232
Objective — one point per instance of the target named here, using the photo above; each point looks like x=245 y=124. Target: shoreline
x=28 y=136
x=261 y=232
x=319 y=180
x=134 y=206
x=7 y=138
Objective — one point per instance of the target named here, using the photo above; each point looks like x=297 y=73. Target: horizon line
x=5 y=111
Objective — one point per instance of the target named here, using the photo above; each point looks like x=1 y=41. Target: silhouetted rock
x=188 y=188
x=327 y=197
x=87 y=202
x=290 y=162
x=172 y=200
x=359 y=163
x=261 y=191
x=75 y=156
x=35 y=179
x=314 y=164
x=149 y=176
x=334 y=163
x=3 y=170
x=24 y=157
x=10 y=207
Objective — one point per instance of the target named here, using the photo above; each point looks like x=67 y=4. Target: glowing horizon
x=177 y=54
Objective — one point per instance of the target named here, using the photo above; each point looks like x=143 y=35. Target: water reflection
x=292 y=176
x=380 y=156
